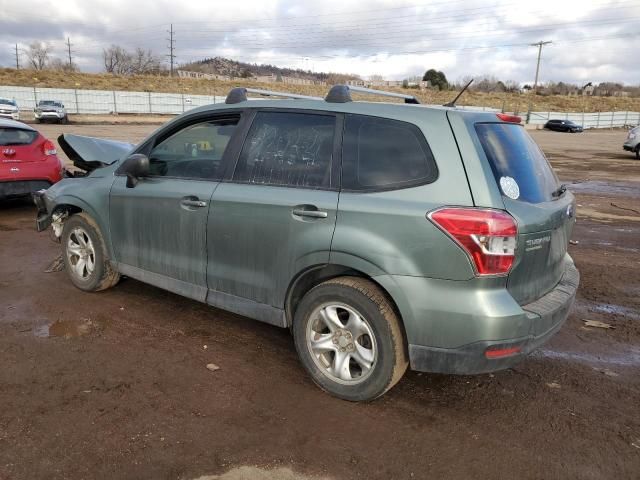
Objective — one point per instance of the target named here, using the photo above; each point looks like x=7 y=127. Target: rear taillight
x=49 y=148
x=505 y=117
x=487 y=236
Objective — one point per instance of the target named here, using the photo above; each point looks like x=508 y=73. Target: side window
x=383 y=154
x=288 y=149
x=194 y=152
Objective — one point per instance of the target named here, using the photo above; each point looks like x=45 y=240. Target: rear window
x=17 y=136
x=519 y=166
x=382 y=154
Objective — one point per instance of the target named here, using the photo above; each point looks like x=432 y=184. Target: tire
x=84 y=255
x=350 y=319
x=64 y=120
x=638 y=152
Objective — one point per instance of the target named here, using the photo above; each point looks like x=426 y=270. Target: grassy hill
x=514 y=102
x=236 y=69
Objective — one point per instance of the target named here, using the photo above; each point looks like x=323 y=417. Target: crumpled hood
x=89 y=153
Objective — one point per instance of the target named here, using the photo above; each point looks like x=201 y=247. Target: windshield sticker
x=510 y=187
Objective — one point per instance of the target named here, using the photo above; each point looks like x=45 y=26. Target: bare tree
x=119 y=61
x=38 y=55
x=144 y=61
x=116 y=60
x=62 y=66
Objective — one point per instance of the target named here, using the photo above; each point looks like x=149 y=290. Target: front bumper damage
x=43 y=217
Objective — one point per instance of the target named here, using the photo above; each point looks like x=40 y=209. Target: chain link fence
x=589 y=119
x=79 y=101
x=108 y=101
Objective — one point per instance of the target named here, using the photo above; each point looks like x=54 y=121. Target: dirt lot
x=114 y=385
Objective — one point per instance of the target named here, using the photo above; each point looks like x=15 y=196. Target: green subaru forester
x=382 y=234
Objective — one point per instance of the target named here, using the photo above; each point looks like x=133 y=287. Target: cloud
x=591 y=40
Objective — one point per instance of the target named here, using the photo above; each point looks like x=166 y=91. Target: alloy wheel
x=341 y=343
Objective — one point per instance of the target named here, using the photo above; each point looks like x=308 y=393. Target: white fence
x=107 y=101
x=111 y=102
x=589 y=120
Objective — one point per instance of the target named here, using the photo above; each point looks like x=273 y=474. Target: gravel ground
x=115 y=384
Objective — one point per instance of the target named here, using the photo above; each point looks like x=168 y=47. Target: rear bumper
x=19 y=188
x=545 y=315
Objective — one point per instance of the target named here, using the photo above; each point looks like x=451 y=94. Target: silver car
x=9 y=109
x=50 y=110
x=632 y=143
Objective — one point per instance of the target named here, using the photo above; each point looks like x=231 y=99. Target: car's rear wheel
x=349 y=338
x=638 y=152
x=84 y=255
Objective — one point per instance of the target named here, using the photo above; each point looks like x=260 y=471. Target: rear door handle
x=309 y=213
x=187 y=202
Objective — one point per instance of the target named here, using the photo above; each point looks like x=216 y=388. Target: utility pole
x=535 y=82
x=69 y=50
x=17 y=58
x=171 y=48
x=539 y=45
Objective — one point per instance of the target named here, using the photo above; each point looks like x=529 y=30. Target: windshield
x=49 y=103
x=17 y=136
x=519 y=166
x=5 y=101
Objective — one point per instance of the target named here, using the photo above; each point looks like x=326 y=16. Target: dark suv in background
x=383 y=235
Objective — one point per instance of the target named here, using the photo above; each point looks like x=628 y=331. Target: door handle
x=309 y=213
x=187 y=202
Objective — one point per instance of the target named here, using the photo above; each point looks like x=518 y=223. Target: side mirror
x=135 y=167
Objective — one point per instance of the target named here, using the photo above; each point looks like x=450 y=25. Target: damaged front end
x=95 y=160
x=90 y=153
x=43 y=219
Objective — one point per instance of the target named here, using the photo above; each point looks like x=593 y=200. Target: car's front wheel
x=84 y=255
x=638 y=152
x=349 y=338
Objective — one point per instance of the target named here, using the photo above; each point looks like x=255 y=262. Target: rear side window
x=383 y=154
x=17 y=136
x=519 y=166
x=288 y=149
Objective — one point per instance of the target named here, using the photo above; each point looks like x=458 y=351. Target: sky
x=593 y=40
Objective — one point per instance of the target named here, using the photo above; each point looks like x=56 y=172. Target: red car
x=28 y=161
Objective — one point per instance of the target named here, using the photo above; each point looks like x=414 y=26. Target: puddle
x=616 y=189
x=612 y=309
x=256 y=473
x=631 y=358
x=66 y=329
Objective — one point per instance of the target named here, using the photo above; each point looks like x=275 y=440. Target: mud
x=115 y=384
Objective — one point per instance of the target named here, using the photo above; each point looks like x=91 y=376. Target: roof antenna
x=453 y=102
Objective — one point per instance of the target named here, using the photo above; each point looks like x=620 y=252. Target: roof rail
x=341 y=94
x=237 y=95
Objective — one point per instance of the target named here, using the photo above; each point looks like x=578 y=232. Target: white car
x=9 y=109
x=50 y=110
x=632 y=143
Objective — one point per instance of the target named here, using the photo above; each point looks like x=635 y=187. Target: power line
x=171 y=41
x=392 y=39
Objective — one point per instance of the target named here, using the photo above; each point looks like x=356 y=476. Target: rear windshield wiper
x=559 y=191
